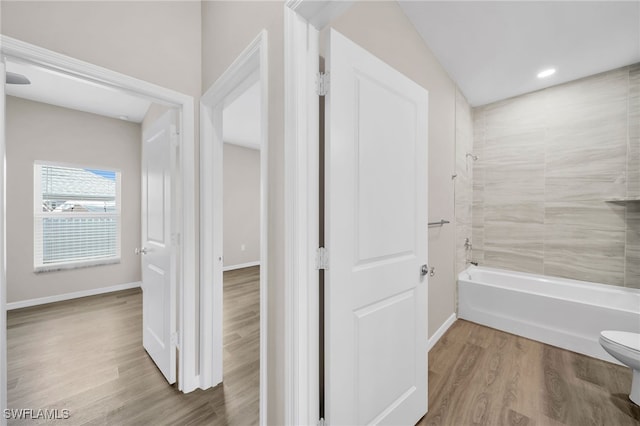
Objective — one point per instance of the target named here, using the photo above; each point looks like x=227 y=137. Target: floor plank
x=482 y=376
x=86 y=356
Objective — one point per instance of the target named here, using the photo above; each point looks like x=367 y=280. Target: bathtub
x=565 y=313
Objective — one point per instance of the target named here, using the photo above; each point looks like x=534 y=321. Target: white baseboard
x=440 y=331
x=241 y=265
x=69 y=296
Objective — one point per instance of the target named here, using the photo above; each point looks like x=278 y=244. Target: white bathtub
x=565 y=313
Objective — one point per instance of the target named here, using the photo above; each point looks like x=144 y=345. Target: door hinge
x=321 y=422
x=322 y=83
x=174 y=339
x=322 y=258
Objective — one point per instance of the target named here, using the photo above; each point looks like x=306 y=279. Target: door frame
x=303 y=20
x=250 y=66
x=183 y=206
x=3 y=251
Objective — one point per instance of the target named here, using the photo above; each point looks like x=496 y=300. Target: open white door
x=158 y=250
x=376 y=237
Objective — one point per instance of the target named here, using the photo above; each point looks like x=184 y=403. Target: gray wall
x=241 y=205
x=37 y=131
x=548 y=161
x=385 y=31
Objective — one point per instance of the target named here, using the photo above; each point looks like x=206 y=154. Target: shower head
x=473 y=157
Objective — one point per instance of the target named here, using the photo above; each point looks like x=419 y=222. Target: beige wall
x=241 y=205
x=40 y=132
x=548 y=162
x=227 y=28
x=157 y=41
x=384 y=30
x=154 y=112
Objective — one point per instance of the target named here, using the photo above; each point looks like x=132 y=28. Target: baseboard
x=69 y=296
x=440 y=331
x=241 y=265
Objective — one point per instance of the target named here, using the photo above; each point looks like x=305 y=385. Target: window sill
x=75 y=265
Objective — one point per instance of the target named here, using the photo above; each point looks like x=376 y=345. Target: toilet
x=625 y=347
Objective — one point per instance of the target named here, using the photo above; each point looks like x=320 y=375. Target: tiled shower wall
x=463 y=179
x=548 y=161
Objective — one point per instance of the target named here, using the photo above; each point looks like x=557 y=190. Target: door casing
x=183 y=207
x=3 y=245
x=249 y=67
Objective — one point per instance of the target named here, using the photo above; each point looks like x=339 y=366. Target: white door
x=157 y=252
x=376 y=236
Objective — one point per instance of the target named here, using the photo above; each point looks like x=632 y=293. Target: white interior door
x=158 y=252
x=376 y=236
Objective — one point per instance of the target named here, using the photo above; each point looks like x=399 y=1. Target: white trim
x=303 y=19
x=301 y=222
x=240 y=266
x=440 y=331
x=185 y=179
x=319 y=13
x=76 y=264
x=250 y=66
x=243 y=144
x=3 y=251
x=74 y=295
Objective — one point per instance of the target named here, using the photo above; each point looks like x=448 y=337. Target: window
x=76 y=217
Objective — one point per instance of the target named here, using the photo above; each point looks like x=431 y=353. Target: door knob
x=424 y=269
x=142 y=250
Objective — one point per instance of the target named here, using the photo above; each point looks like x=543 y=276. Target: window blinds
x=76 y=217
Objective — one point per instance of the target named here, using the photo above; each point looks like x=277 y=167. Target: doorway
x=52 y=62
x=353 y=181
x=234 y=110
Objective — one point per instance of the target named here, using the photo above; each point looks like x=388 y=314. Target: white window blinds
x=76 y=217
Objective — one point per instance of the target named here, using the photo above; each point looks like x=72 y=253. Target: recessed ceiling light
x=123 y=117
x=546 y=73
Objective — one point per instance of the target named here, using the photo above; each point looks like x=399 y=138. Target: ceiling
x=241 y=119
x=494 y=50
x=59 y=89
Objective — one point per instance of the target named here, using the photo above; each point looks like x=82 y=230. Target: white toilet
x=625 y=347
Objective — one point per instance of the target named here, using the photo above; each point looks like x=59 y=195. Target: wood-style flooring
x=482 y=376
x=86 y=356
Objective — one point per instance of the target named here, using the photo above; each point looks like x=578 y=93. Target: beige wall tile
x=632 y=263
x=549 y=160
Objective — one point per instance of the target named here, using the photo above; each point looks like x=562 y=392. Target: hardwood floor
x=86 y=356
x=482 y=376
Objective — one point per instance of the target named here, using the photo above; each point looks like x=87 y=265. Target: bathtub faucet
x=472 y=262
